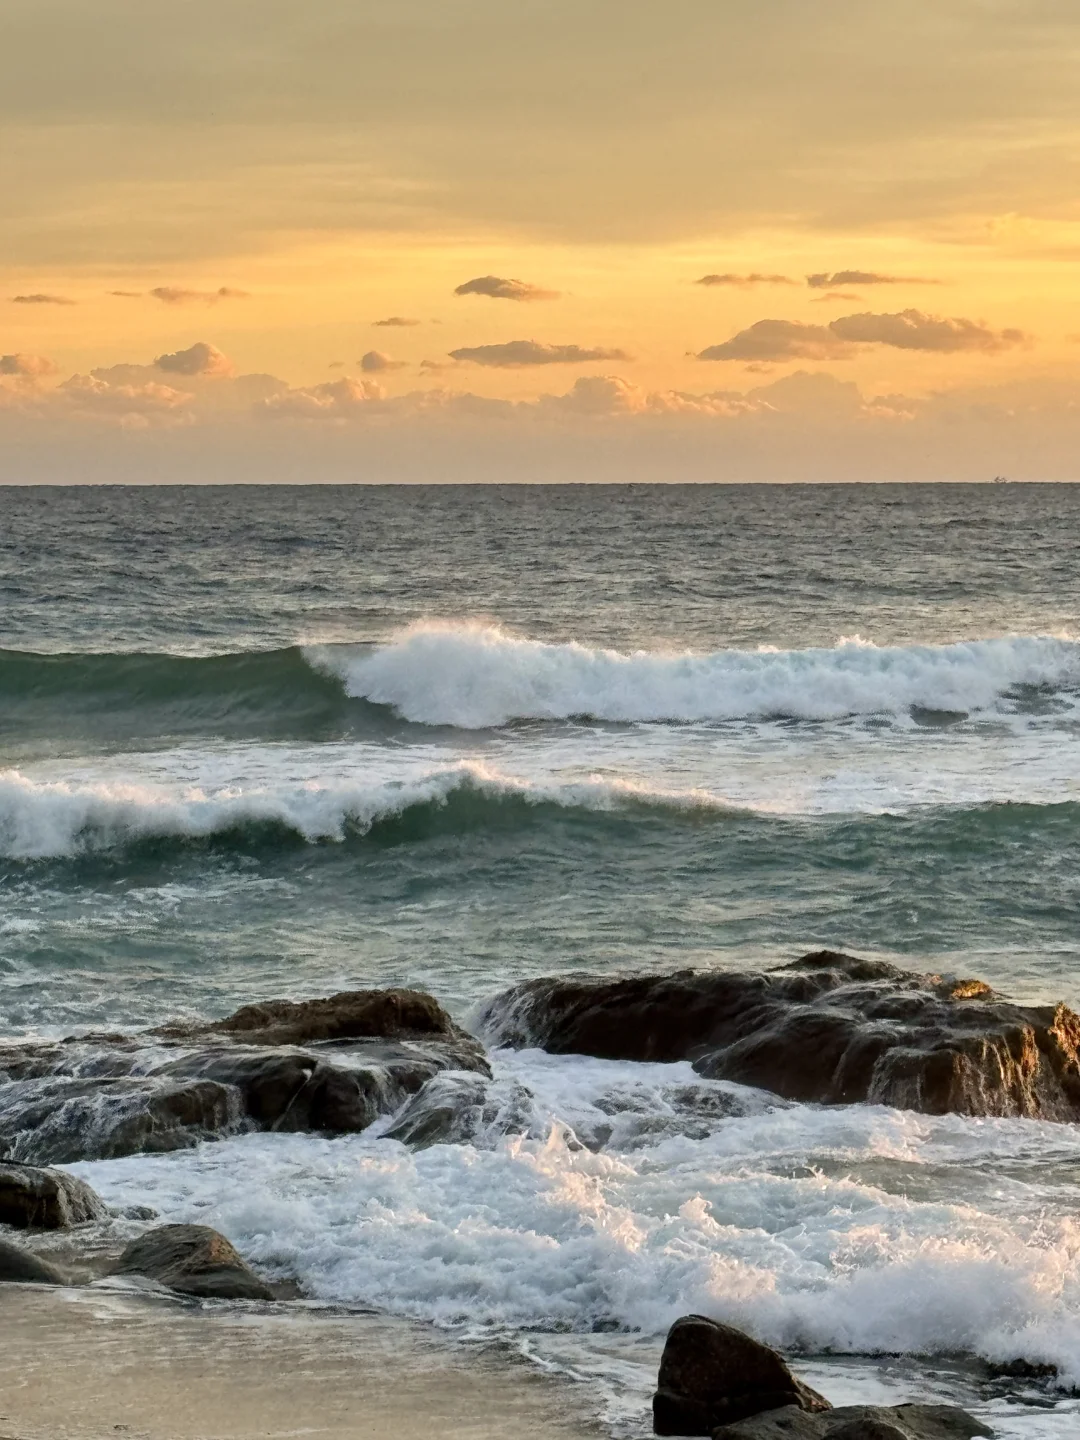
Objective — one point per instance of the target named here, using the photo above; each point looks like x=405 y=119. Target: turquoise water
x=264 y=741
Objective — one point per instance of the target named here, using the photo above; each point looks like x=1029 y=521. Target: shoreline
x=83 y=1364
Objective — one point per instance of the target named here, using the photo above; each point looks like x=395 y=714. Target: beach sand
x=86 y=1364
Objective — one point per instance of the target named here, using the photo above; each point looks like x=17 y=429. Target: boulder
x=829 y=1028
x=712 y=1374
x=38 y=1199
x=349 y=1015
x=859 y=1422
x=192 y=1260
x=22 y=1266
x=363 y=1054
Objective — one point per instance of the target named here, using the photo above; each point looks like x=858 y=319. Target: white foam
x=476 y=676
x=856 y=1230
x=42 y=818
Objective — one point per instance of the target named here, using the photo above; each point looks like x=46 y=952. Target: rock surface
x=193 y=1260
x=829 y=1028
x=32 y=1198
x=859 y=1422
x=25 y=1268
x=712 y=1374
x=331 y=1065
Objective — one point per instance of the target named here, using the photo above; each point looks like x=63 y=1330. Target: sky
x=467 y=239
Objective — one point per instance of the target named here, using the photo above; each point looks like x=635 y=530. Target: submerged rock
x=193 y=1260
x=829 y=1028
x=859 y=1422
x=98 y=1097
x=25 y=1268
x=712 y=1374
x=38 y=1199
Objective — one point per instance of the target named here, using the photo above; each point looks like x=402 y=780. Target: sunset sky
x=596 y=233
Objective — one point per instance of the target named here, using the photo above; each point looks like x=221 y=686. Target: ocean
x=283 y=741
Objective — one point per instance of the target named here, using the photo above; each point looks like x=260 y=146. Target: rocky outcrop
x=193 y=1260
x=829 y=1028
x=25 y=1268
x=330 y=1065
x=859 y=1422
x=713 y=1374
x=714 y=1380
x=37 y=1199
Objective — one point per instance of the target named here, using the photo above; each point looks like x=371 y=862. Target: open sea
x=282 y=741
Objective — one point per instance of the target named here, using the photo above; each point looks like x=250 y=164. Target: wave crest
x=478 y=676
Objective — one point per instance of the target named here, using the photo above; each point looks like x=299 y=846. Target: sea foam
x=476 y=676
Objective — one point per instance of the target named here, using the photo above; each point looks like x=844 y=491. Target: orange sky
x=273 y=180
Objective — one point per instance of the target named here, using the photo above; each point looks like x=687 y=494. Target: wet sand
x=86 y=1364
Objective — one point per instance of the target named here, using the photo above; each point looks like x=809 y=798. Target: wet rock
x=712 y=1374
x=859 y=1422
x=38 y=1199
x=96 y=1097
x=447 y=1110
x=23 y=1267
x=193 y=1260
x=350 y=1015
x=829 y=1028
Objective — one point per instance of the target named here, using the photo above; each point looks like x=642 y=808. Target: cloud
x=26 y=367
x=780 y=340
x=335 y=400
x=127 y=294
x=745 y=281
x=130 y=406
x=827 y=281
x=833 y=295
x=496 y=288
x=375 y=362
x=439 y=364
x=395 y=321
x=516 y=353
x=913 y=330
x=39 y=299
x=173 y=295
x=198 y=359
x=906 y=330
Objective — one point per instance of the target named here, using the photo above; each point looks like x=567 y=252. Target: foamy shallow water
x=629 y=1201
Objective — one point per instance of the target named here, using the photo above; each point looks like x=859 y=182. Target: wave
x=477 y=676
x=266 y=693
x=472 y=676
x=54 y=819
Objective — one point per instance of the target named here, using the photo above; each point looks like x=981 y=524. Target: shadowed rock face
x=829 y=1028
x=36 y=1199
x=193 y=1260
x=24 y=1268
x=100 y=1096
x=713 y=1374
x=859 y=1422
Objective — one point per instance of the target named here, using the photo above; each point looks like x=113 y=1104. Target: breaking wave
x=477 y=676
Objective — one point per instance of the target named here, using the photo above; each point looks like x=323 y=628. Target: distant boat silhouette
x=1000 y=480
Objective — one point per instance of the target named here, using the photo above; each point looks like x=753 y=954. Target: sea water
x=263 y=741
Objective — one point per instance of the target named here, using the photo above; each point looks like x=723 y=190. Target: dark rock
x=25 y=1268
x=96 y=1097
x=350 y=1015
x=829 y=1028
x=38 y=1199
x=859 y=1422
x=193 y=1260
x=712 y=1374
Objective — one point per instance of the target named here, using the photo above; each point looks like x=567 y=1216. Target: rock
x=859 y=1422
x=20 y=1265
x=38 y=1199
x=350 y=1015
x=829 y=1028
x=712 y=1374
x=193 y=1260
x=96 y=1097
